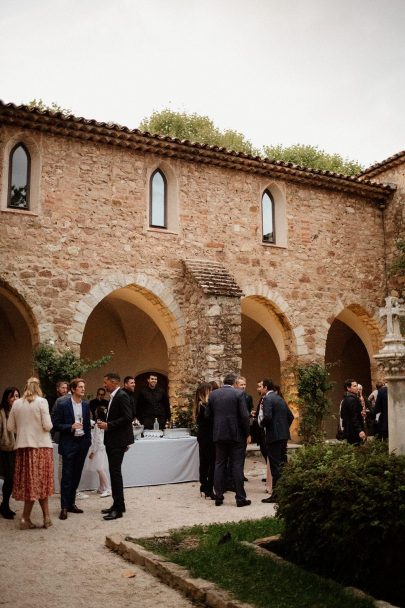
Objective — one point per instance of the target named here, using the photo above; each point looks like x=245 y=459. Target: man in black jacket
x=277 y=419
x=118 y=435
x=350 y=412
x=227 y=408
x=152 y=403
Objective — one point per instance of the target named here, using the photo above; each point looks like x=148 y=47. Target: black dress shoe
x=219 y=502
x=113 y=515
x=74 y=509
x=63 y=514
x=244 y=503
x=269 y=499
x=107 y=511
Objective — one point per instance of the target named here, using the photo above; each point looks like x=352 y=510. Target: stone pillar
x=391 y=359
x=212 y=302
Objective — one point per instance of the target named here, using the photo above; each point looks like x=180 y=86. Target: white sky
x=324 y=72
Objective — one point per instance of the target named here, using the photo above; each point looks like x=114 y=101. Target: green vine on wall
x=313 y=383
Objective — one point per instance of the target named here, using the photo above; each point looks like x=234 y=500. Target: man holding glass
x=71 y=417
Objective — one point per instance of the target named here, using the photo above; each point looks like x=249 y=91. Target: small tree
x=195 y=128
x=53 y=366
x=54 y=108
x=313 y=382
x=312 y=157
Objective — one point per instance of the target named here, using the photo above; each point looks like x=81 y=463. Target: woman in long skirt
x=33 y=477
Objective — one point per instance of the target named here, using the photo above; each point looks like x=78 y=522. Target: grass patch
x=250 y=577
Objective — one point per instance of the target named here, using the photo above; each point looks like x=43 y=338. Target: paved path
x=68 y=565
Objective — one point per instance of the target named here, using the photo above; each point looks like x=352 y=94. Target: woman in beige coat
x=33 y=477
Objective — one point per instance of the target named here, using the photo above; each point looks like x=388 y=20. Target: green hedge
x=344 y=513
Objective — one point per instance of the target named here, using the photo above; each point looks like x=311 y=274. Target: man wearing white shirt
x=71 y=417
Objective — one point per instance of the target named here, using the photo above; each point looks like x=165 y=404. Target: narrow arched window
x=158 y=200
x=19 y=178
x=268 y=228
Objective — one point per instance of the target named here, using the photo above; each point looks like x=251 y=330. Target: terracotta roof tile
x=106 y=133
x=212 y=278
x=390 y=162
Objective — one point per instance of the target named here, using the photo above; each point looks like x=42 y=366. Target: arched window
x=158 y=200
x=268 y=228
x=19 y=178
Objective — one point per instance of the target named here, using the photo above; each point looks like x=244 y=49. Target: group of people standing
x=224 y=418
x=26 y=450
x=354 y=412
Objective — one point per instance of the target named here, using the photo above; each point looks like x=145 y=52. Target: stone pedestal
x=391 y=360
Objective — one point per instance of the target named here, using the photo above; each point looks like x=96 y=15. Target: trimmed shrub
x=344 y=513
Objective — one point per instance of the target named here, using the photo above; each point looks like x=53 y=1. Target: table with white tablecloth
x=149 y=462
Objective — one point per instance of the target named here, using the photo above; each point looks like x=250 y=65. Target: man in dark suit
x=153 y=403
x=118 y=435
x=277 y=419
x=227 y=407
x=129 y=388
x=99 y=402
x=71 y=418
x=350 y=412
x=381 y=407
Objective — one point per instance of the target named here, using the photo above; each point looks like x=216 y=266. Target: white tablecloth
x=149 y=462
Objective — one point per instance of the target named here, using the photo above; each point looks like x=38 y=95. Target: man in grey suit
x=277 y=419
x=227 y=408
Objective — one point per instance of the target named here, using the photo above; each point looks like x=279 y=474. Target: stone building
x=188 y=259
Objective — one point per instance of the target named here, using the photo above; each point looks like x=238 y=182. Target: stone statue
x=393 y=311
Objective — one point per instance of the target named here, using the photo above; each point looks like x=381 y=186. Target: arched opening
x=264 y=342
x=346 y=350
x=18 y=337
x=131 y=324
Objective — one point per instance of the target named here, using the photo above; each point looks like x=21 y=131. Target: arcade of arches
x=135 y=325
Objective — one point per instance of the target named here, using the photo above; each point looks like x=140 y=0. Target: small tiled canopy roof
x=212 y=278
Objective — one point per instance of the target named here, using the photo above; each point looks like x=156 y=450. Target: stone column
x=391 y=359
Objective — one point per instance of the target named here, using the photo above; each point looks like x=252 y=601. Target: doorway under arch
x=18 y=337
x=264 y=341
x=127 y=324
x=349 y=358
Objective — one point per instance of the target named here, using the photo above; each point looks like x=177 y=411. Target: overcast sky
x=324 y=72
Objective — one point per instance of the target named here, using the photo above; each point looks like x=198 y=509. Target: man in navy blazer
x=71 y=417
x=118 y=435
x=277 y=419
x=227 y=408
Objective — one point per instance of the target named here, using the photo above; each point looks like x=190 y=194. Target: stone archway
x=352 y=340
x=268 y=343
x=139 y=321
x=18 y=336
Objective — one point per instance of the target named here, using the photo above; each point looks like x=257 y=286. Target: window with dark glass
x=158 y=200
x=19 y=178
x=268 y=233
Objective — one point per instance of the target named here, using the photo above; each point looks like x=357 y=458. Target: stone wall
x=92 y=223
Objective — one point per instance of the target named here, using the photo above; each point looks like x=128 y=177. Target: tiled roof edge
x=377 y=168
x=110 y=134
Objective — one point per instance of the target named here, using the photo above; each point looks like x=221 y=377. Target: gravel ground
x=68 y=565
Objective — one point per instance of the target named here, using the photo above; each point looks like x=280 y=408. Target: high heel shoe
x=26 y=524
x=47 y=522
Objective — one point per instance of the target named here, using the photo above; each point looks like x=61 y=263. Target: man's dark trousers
x=277 y=455
x=235 y=451
x=72 y=466
x=115 y=457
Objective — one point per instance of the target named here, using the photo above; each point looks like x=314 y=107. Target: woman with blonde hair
x=205 y=442
x=33 y=477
